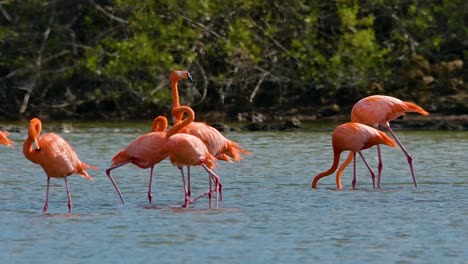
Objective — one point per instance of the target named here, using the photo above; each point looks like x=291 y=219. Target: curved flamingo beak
x=189 y=77
x=36 y=145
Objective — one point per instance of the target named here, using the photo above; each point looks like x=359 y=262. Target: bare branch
x=200 y=25
x=4 y=12
x=107 y=14
x=257 y=87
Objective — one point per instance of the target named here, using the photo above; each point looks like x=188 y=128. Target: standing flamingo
x=145 y=152
x=378 y=110
x=354 y=137
x=218 y=145
x=55 y=155
x=188 y=150
x=4 y=140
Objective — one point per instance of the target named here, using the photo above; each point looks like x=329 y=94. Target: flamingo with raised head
x=218 y=145
x=55 y=155
x=378 y=110
x=354 y=137
x=188 y=150
x=145 y=152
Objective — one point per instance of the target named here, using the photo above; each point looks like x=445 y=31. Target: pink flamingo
x=188 y=150
x=378 y=110
x=4 y=140
x=354 y=137
x=55 y=155
x=218 y=145
x=145 y=152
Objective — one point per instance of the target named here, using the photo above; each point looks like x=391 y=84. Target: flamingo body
x=188 y=150
x=221 y=147
x=377 y=110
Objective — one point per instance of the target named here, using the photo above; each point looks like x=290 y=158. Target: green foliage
x=251 y=52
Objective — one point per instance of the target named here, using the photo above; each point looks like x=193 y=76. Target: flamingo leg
x=46 y=205
x=187 y=198
x=210 y=192
x=408 y=156
x=69 y=196
x=217 y=182
x=341 y=169
x=354 y=171
x=368 y=167
x=380 y=167
x=113 y=182
x=188 y=182
x=150 y=195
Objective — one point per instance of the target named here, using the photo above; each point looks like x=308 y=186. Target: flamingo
x=378 y=110
x=55 y=155
x=218 y=145
x=354 y=137
x=4 y=140
x=145 y=152
x=188 y=150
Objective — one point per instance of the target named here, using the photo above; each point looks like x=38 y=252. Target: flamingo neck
x=336 y=160
x=159 y=124
x=31 y=147
x=179 y=111
x=175 y=95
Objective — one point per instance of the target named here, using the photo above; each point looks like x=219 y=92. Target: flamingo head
x=35 y=127
x=177 y=75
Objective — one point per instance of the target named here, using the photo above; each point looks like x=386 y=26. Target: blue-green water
x=269 y=213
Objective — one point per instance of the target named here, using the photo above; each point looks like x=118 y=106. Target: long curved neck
x=29 y=150
x=179 y=111
x=336 y=160
x=175 y=96
x=159 y=124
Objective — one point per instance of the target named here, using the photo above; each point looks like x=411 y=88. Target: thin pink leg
x=354 y=171
x=150 y=195
x=210 y=192
x=187 y=198
x=217 y=182
x=46 y=205
x=69 y=196
x=188 y=182
x=408 y=156
x=369 y=168
x=380 y=166
x=113 y=182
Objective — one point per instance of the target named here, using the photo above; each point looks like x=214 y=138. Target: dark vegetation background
x=89 y=59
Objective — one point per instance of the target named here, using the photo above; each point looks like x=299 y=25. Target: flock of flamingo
x=189 y=143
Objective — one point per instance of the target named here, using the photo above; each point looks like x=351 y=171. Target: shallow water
x=269 y=213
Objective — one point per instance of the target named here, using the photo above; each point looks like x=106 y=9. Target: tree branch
x=107 y=14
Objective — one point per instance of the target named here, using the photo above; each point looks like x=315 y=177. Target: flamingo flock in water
x=188 y=143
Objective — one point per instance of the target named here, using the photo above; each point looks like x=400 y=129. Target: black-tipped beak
x=189 y=77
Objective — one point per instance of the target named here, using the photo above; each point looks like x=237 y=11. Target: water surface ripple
x=269 y=213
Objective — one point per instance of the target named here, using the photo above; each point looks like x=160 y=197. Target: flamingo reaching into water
x=145 y=152
x=55 y=155
x=354 y=137
x=188 y=150
x=218 y=145
x=4 y=140
x=378 y=110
